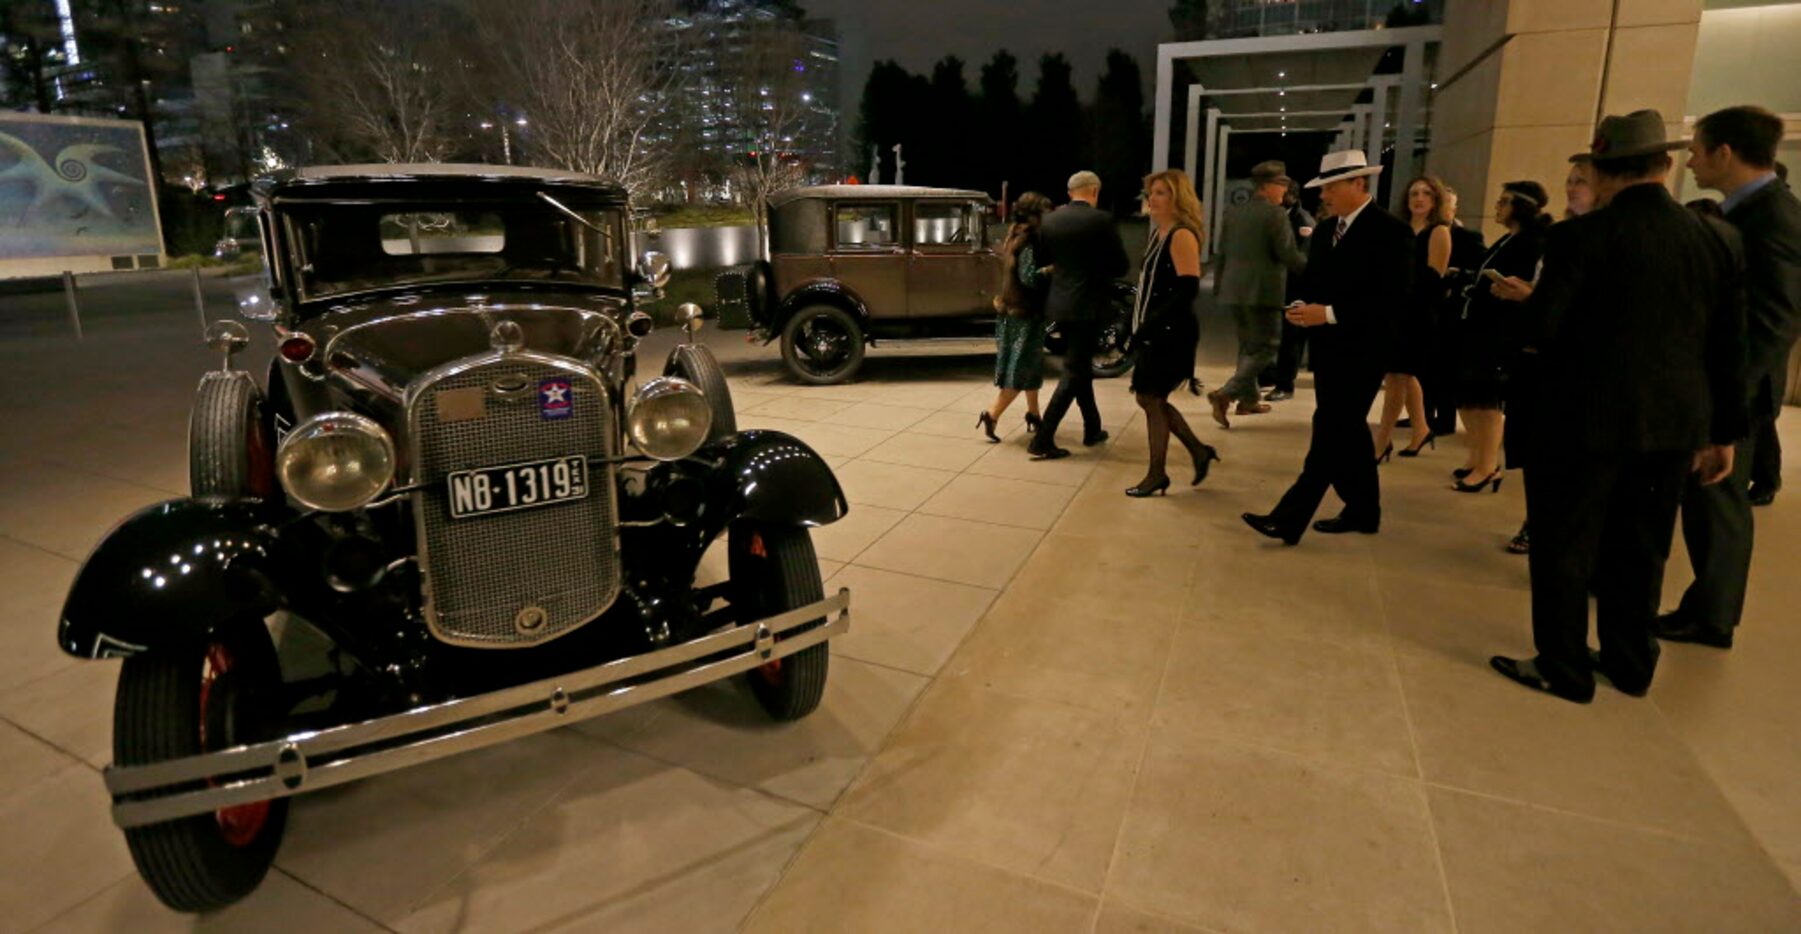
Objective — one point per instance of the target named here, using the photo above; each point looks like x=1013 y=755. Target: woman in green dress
x=1019 y=332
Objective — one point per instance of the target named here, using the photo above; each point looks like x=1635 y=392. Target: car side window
x=865 y=227
x=941 y=224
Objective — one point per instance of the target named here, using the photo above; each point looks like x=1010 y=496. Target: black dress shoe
x=1523 y=671
x=1624 y=687
x=1763 y=496
x=1279 y=395
x=1338 y=525
x=1673 y=627
x=1267 y=526
x=1098 y=437
x=1049 y=452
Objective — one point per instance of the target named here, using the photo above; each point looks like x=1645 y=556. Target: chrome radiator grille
x=512 y=579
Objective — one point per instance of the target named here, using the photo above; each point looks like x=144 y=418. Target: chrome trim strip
x=305 y=761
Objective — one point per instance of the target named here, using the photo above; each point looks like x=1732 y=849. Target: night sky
x=917 y=33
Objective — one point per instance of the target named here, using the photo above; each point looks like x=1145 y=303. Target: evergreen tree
x=1000 y=118
x=1055 y=147
x=1121 y=133
x=945 y=142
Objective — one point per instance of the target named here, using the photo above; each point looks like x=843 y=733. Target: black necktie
x=1338 y=231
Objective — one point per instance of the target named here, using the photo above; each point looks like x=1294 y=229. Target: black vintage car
x=450 y=471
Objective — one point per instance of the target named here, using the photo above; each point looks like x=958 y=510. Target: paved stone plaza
x=1059 y=709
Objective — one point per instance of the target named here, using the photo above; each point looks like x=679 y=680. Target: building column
x=1216 y=210
x=1206 y=168
x=1407 y=121
x=1166 y=79
x=1525 y=82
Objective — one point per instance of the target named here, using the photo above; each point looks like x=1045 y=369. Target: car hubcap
x=825 y=345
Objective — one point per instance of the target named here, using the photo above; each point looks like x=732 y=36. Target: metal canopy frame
x=1363 y=124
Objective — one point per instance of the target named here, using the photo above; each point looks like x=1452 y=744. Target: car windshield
x=344 y=248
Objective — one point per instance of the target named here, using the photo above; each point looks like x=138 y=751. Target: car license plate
x=517 y=486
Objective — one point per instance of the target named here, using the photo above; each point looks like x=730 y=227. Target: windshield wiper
x=572 y=215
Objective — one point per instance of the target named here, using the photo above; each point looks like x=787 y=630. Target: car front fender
x=771 y=477
x=170 y=573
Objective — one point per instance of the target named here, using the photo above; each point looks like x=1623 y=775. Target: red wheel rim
x=771 y=673
x=241 y=824
x=262 y=461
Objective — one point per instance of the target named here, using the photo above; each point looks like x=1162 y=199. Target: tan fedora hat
x=1343 y=164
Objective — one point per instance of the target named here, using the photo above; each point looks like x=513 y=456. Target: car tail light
x=298 y=348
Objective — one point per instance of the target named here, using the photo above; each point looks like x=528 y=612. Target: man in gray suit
x=1257 y=251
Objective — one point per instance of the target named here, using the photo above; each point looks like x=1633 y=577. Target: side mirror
x=227 y=338
x=654 y=267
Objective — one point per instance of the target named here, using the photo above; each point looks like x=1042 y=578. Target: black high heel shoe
x=985 y=422
x=1383 y=457
x=1141 y=491
x=1460 y=473
x=1492 y=481
x=1203 y=461
x=1032 y=422
x=1431 y=441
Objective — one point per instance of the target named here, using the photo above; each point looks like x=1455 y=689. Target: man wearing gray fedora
x=1257 y=252
x=1639 y=320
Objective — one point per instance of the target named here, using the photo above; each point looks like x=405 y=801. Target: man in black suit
x=1359 y=272
x=1080 y=241
x=1734 y=153
x=1639 y=322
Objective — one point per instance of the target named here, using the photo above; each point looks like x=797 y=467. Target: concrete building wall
x=1523 y=83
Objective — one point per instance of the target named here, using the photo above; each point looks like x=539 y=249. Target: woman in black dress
x=1428 y=210
x=1164 y=328
x=1489 y=341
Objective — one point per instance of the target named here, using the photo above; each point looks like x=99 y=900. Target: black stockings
x=1161 y=420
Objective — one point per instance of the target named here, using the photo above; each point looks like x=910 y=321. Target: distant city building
x=1237 y=19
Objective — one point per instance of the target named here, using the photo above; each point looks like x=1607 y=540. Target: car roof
x=431 y=180
x=873 y=192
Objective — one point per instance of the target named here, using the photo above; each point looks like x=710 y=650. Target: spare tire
x=230 y=452
x=757 y=300
x=696 y=364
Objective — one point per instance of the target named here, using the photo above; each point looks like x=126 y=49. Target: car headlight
x=335 y=461
x=669 y=418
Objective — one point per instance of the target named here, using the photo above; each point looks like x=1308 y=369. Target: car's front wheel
x=696 y=364
x=230 y=452
x=773 y=569
x=822 y=344
x=183 y=701
x=1112 y=347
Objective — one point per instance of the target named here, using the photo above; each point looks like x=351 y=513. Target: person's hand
x=1307 y=316
x=1047 y=270
x=1306 y=231
x=1511 y=289
x=1713 y=463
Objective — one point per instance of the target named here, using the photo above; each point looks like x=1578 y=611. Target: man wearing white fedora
x=1359 y=272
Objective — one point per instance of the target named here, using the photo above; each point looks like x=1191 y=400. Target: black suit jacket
x=1641 y=327
x=1769 y=221
x=1367 y=279
x=1084 y=246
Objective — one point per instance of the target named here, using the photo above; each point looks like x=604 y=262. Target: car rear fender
x=170 y=573
x=818 y=292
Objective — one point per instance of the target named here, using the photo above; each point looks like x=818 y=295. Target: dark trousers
x=1441 y=402
x=1766 y=461
x=1339 y=455
x=1609 y=519
x=1716 y=527
x=1258 y=337
x=1288 y=355
x=1075 y=385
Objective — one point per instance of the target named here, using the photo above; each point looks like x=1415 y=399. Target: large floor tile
x=1615 y=758
x=1458 y=622
x=67 y=511
x=1120 y=919
x=1104 y=659
x=1254 y=592
x=891 y=486
x=1010 y=461
x=71 y=709
x=803 y=408
x=279 y=906
x=32 y=579
x=682 y=851
x=719 y=730
x=845 y=539
x=26 y=760
x=382 y=845
x=958 y=550
x=932 y=451
x=1238 y=839
x=1032 y=786
x=1109 y=575
x=906 y=622
x=1330 y=702
x=1023 y=503
x=831 y=439
x=60 y=847
x=1513 y=867
x=878 y=415
x=852 y=878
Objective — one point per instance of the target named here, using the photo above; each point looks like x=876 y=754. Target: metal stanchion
x=74 y=305
x=199 y=300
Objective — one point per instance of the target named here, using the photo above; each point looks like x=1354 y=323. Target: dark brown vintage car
x=851 y=264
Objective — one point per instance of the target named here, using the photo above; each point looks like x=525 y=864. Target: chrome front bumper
x=318 y=759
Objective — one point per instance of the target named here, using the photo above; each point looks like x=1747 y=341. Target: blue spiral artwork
x=73 y=189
